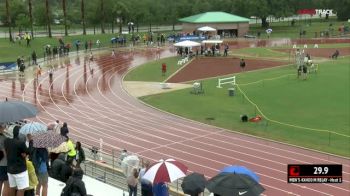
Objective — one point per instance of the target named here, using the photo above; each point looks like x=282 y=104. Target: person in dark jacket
x=16 y=151
x=67 y=170
x=64 y=129
x=75 y=184
x=57 y=165
x=80 y=154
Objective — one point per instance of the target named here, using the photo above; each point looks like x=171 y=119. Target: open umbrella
x=187 y=43
x=11 y=111
x=129 y=163
x=206 y=28
x=228 y=184
x=165 y=171
x=212 y=41
x=33 y=128
x=48 y=139
x=240 y=170
x=194 y=184
x=61 y=148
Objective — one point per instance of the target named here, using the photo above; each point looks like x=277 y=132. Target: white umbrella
x=33 y=128
x=212 y=41
x=206 y=28
x=268 y=30
x=129 y=163
x=187 y=43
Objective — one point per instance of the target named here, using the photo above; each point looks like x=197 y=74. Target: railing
x=105 y=167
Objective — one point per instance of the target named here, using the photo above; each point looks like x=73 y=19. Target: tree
x=103 y=17
x=64 y=17
x=22 y=22
x=279 y=8
x=48 y=21
x=9 y=20
x=83 y=16
x=342 y=8
x=121 y=12
x=30 y=17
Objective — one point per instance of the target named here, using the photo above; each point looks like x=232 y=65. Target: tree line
x=23 y=14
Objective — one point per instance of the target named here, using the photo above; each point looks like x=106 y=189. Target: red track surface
x=96 y=106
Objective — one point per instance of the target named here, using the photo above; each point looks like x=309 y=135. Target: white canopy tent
x=206 y=28
x=187 y=43
x=209 y=41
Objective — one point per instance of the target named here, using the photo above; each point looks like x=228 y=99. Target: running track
x=96 y=106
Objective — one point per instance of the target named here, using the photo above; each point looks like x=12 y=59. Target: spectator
x=17 y=169
x=18 y=62
x=90 y=45
x=40 y=161
x=67 y=170
x=33 y=180
x=146 y=186
x=34 y=58
x=75 y=184
x=72 y=153
x=335 y=54
x=57 y=165
x=226 y=50
x=57 y=126
x=29 y=144
x=132 y=181
x=77 y=44
x=86 y=46
x=123 y=154
x=80 y=154
x=242 y=64
x=160 y=189
x=64 y=129
x=3 y=163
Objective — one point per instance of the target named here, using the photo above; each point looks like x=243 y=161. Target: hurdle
x=228 y=80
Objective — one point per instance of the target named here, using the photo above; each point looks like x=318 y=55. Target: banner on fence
x=8 y=66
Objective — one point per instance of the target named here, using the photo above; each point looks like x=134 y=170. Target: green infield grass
x=260 y=52
x=152 y=72
x=312 y=113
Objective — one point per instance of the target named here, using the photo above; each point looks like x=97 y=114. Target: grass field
x=10 y=51
x=284 y=29
x=312 y=113
x=260 y=52
x=151 y=72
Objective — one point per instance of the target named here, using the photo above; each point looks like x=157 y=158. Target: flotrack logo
x=316 y=11
x=324 y=11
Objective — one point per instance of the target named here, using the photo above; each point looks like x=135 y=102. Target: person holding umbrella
x=146 y=186
x=3 y=163
x=194 y=184
x=17 y=169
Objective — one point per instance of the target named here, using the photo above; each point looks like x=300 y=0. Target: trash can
x=231 y=92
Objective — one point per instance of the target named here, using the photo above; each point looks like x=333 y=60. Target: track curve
x=95 y=105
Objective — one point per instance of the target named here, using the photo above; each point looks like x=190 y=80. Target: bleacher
x=93 y=187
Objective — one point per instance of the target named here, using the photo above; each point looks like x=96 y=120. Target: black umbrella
x=11 y=111
x=230 y=184
x=194 y=184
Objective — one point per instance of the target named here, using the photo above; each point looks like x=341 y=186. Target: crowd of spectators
x=24 y=169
